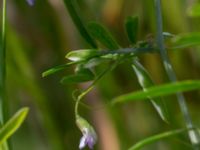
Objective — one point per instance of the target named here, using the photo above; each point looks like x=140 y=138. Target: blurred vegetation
x=39 y=37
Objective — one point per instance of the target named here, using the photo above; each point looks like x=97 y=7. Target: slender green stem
x=4 y=24
x=3 y=66
x=80 y=97
x=3 y=101
x=194 y=135
x=131 y=50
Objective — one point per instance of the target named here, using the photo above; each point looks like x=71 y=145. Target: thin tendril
x=86 y=91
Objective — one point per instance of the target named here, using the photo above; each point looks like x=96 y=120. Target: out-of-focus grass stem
x=3 y=101
x=4 y=105
x=193 y=135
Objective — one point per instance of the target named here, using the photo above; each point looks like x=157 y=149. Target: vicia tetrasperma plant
x=109 y=52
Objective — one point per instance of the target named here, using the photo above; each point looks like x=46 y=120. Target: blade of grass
x=156 y=138
x=161 y=90
x=3 y=101
x=28 y=81
x=12 y=124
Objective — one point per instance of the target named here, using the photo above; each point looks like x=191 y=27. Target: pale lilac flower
x=30 y=2
x=89 y=137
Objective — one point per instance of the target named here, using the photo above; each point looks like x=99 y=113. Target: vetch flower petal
x=30 y=2
x=82 y=142
x=90 y=141
x=89 y=137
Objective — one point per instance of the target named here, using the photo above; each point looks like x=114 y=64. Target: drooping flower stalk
x=89 y=137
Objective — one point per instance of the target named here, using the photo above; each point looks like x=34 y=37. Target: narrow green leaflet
x=82 y=70
x=57 y=68
x=131 y=26
x=13 y=124
x=194 y=10
x=77 y=78
x=161 y=90
x=145 y=81
x=73 y=11
x=156 y=138
x=82 y=55
x=101 y=34
x=186 y=40
x=168 y=35
x=81 y=76
x=95 y=62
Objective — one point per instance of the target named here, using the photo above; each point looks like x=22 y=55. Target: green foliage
x=25 y=79
x=100 y=33
x=161 y=90
x=3 y=101
x=131 y=26
x=145 y=81
x=77 y=78
x=186 y=40
x=156 y=138
x=75 y=15
x=82 y=75
x=12 y=124
x=194 y=10
x=82 y=55
x=195 y=137
x=93 y=57
x=56 y=69
x=28 y=55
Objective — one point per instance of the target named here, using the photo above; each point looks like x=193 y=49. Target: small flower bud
x=89 y=135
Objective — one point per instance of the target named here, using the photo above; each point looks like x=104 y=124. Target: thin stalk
x=193 y=134
x=3 y=102
x=132 y=50
x=80 y=97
